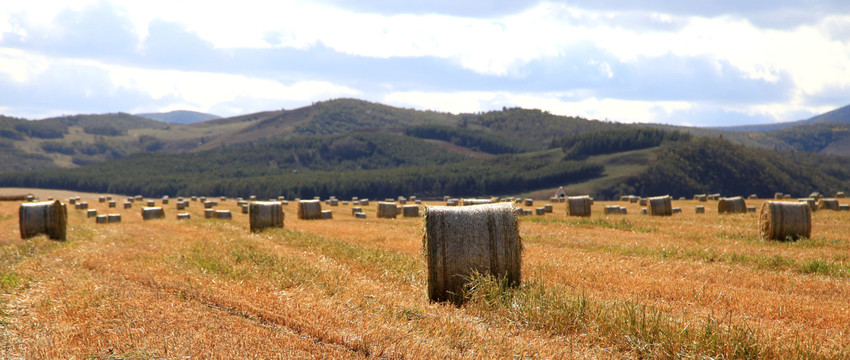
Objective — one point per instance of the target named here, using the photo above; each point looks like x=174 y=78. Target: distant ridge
x=838 y=115
x=180 y=117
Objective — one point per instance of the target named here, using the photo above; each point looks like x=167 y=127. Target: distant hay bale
x=700 y=209
x=91 y=213
x=334 y=202
x=624 y=210
x=327 y=214
x=150 y=213
x=844 y=207
x=643 y=211
x=252 y=197
x=417 y=202
x=811 y=202
x=548 y=208
x=101 y=199
x=828 y=204
x=165 y=201
x=21 y=197
x=642 y=201
x=634 y=199
x=682 y=198
x=839 y=195
x=542 y=211
x=578 y=206
x=309 y=209
x=452 y=202
x=184 y=216
x=209 y=213
x=778 y=196
x=815 y=195
x=529 y=202
x=71 y=201
x=223 y=214
x=223 y=198
x=785 y=220
x=624 y=198
x=47 y=217
x=697 y=197
x=462 y=241
x=677 y=210
x=101 y=219
x=284 y=202
x=526 y=212
x=111 y=203
x=128 y=205
x=468 y=202
x=660 y=206
x=113 y=218
x=151 y=203
x=181 y=205
x=751 y=209
x=246 y=209
x=410 y=211
x=360 y=215
x=265 y=214
x=715 y=196
x=387 y=210
x=753 y=197
x=345 y=203
x=611 y=210
x=194 y=198
x=241 y=202
x=732 y=205
x=209 y=204
x=356 y=209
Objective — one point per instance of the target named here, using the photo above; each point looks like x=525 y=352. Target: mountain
x=838 y=115
x=180 y=117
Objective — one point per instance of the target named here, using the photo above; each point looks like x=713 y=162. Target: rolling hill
x=180 y=117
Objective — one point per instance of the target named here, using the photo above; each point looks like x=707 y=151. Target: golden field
x=615 y=286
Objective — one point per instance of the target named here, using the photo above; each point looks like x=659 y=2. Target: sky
x=696 y=63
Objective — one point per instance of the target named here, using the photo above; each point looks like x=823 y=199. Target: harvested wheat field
x=621 y=286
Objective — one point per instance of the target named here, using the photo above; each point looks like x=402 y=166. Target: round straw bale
x=252 y=197
x=111 y=203
x=542 y=211
x=529 y=202
x=828 y=204
x=151 y=203
x=642 y=202
x=468 y=202
x=732 y=205
x=462 y=241
x=844 y=207
x=643 y=211
x=387 y=210
x=624 y=198
x=165 y=201
x=624 y=210
x=812 y=203
x=181 y=205
x=634 y=199
x=356 y=209
x=753 y=196
x=815 y=195
x=309 y=209
x=91 y=213
x=223 y=214
x=410 y=211
x=700 y=209
x=839 y=195
x=578 y=206
x=265 y=214
x=209 y=213
x=246 y=209
x=223 y=198
x=128 y=205
x=149 y=213
x=452 y=202
x=113 y=218
x=184 y=216
x=82 y=205
x=659 y=206
x=364 y=202
x=101 y=199
x=327 y=214
x=71 y=201
x=194 y=198
x=785 y=220
x=611 y=210
x=677 y=210
x=751 y=209
x=778 y=196
x=101 y=219
x=548 y=208
x=47 y=217
x=360 y=215
x=526 y=212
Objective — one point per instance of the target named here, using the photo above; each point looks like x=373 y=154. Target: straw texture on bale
x=461 y=241
x=732 y=205
x=529 y=202
x=181 y=205
x=245 y=209
x=548 y=208
x=785 y=220
x=356 y=209
x=578 y=206
x=151 y=203
x=410 y=211
x=778 y=196
x=839 y=195
x=542 y=211
x=327 y=214
x=811 y=202
x=223 y=214
x=101 y=219
x=659 y=206
x=387 y=210
x=309 y=209
x=265 y=214
x=828 y=204
x=113 y=218
x=844 y=207
x=452 y=202
x=47 y=217
x=701 y=197
x=149 y=213
x=209 y=213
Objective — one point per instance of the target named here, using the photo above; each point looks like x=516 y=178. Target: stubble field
x=608 y=286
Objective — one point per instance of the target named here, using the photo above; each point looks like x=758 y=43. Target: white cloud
x=21 y=66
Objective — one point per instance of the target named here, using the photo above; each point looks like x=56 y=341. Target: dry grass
x=624 y=286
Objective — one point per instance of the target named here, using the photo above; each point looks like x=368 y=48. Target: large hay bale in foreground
x=579 y=206
x=47 y=217
x=387 y=210
x=461 y=241
x=150 y=213
x=732 y=205
x=659 y=206
x=828 y=204
x=410 y=211
x=309 y=209
x=265 y=214
x=785 y=220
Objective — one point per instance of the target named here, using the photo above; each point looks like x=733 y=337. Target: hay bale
x=541 y=211
x=246 y=209
x=611 y=210
x=265 y=214
x=101 y=199
x=461 y=241
x=223 y=214
x=309 y=209
x=548 y=208
x=209 y=213
x=356 y=210
x=624 y=210
x=578 y=206
x=150 y=213
x=778 y=196
x=165 y=200
x=815 y=195
x=223 y=198
x=71 y=201
x=181 y=205
x=334 y=202
x=410 y=211
x=387 y=210
x=210 y=204
x=753 y=197
x=811 y=202
x=828 y=204
x=785 y=220
x=184 y=216
x=81 y=205
x=151 y=203
x=47 y=217
x=194 y=198
x=642 y=202
x=128 y=205
x=360 y=215
x=732 y=205
x=643 y=211
x=700 y=209
x=844 y=207
x=101 y=219
x=839 y=195
x=91 y=213
x=751 y=209
x=634 y=199
x=529 y=202
x=660 y=206
x=327 y=215
x=452 y=202
x=468 y=202
x=111 y=203
x=113 y=218
x=677 y=210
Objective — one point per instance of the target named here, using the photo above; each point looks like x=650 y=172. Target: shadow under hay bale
x=578 y=206
x=309 y=209
x=265 y=214
x=387 y=210
x=785 y=220
x=463 y=241
x=659 y=206
x=732 y=205
x=47 y=217
x=150 y=213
